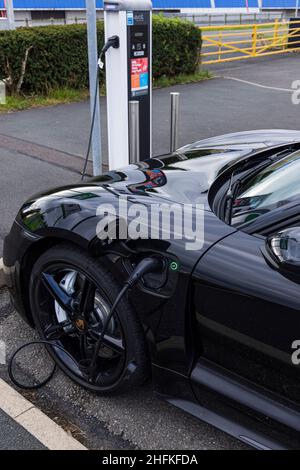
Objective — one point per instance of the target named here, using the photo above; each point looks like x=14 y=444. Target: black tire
x=134 y=368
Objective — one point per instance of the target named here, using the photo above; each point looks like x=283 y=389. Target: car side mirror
x=285 y=247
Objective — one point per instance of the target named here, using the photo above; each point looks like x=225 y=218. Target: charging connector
x=152 y=264
x=113 y=41
x=146 y=265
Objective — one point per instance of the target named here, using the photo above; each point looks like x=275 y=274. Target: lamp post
x=94 y=88
x=8 y=4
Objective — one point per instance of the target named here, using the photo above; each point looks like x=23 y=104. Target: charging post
x=129 y=78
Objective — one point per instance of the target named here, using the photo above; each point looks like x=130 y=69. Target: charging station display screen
x=139 y=62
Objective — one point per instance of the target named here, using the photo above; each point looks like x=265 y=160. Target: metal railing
x=206 y=19
x=215 y=18
x=28 y=22
x=3 y=23
x=239 y=42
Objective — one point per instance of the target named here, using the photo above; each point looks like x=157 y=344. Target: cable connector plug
x=147 y=265
x=113 y=41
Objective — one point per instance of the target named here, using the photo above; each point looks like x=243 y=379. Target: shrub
x=40 y=59
x=176 y=47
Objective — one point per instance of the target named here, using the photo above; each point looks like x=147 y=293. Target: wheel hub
x=94 y=324
x=80 y=324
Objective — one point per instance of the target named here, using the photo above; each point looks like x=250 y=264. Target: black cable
x=114 y=42
x=92 y=367
x=45 y=381
x=92 y=127
x=150 y=264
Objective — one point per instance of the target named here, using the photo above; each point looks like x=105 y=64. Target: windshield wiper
x=234 y=186
x=229 y=198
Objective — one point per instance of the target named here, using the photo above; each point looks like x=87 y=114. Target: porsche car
x=217 y=328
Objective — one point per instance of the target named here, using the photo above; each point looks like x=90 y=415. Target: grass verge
x=67 y=95
x=182 y=79
x=61 y=96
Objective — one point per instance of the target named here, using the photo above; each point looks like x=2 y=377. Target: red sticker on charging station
x=139 y=76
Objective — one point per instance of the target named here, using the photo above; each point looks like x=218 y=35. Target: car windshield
x=274 y=186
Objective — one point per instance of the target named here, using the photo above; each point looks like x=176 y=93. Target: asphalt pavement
x=248 y=98
x=22 y=176
x=25 y=427
x=208 y=108
x=15 y=436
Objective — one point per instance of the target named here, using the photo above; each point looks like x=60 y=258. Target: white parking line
x=35 y=421
x=289 y=90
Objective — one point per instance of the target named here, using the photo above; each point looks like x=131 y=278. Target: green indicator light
x=174 y=266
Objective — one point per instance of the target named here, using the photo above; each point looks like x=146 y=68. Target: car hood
x=184 y=177
x=257 y=139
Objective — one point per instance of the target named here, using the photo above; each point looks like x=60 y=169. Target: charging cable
x=147 y=265
x=113 y=41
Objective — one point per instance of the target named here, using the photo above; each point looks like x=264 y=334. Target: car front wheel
x=71 y=294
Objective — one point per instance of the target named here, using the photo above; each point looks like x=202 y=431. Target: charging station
x=128 y=77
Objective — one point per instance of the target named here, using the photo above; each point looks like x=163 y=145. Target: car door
x=248 y=313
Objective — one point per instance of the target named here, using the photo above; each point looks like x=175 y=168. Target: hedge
x=57 y=55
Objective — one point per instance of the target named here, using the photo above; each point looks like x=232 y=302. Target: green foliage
x=176 y=47
x=57 y=55
x=54 y=97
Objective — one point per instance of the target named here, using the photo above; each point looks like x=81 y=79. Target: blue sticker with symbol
x=130 y=19
x=144 y=80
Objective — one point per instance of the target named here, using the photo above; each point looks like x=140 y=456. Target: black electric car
x=217 y=328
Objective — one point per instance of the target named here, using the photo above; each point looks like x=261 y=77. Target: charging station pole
x=128 y=77
x=94 y=87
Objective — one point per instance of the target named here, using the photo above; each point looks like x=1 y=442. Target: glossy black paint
x=226 y=304
x=250 y=310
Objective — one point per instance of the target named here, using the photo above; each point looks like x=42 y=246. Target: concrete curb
x=2 y=284
x=35 y=421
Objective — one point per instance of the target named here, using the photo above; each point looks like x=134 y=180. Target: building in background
x=33 y=12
